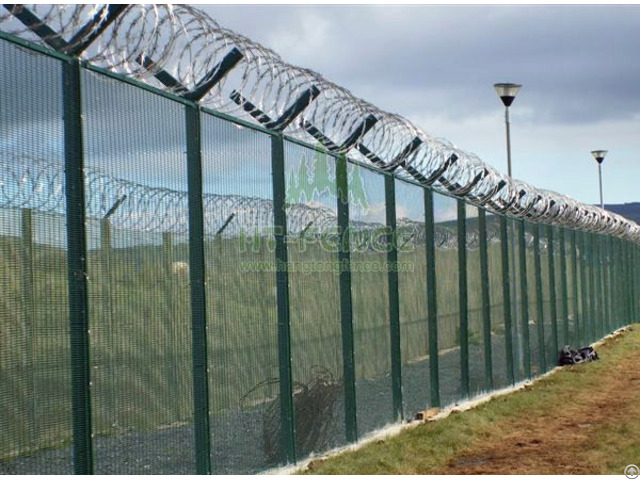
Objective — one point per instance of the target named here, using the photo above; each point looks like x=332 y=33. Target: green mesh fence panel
x=580 y=282
x=446 y=242
x=600 y=297
x=550 y=351
x=477 y=378
x=314 y=300
x=412 y=286
x=607 y=274
x=241 y=298
x=585 y=274
x=138 y=288
x=571 y=286
x=35 y=375
x=498 y=343
x=516 y=300
x=559 y=293
x=534 y=314
x=369 y=287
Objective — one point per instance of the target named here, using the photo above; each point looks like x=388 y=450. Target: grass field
x=582 y=419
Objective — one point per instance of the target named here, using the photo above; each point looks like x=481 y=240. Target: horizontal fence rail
x=185 y=291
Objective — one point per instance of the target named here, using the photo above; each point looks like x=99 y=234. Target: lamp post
x=507 y=93
x=599 y=156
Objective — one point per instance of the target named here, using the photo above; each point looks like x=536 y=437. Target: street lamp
x=507 y=93
x=599 y=156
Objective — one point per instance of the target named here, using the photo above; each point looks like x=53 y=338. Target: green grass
x=430 y=447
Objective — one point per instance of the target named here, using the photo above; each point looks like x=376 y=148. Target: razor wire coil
x=182 y=50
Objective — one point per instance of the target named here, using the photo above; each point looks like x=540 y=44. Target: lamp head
x=599 y=155
x=507 y=92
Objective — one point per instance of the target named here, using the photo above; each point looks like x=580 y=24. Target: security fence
x=188 y=292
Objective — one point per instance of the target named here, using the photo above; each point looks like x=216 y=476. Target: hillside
x=628 y=210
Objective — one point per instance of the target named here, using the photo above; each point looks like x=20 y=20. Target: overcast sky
x=436 y=65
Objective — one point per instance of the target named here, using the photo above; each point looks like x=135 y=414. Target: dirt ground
x=582 y=419
x=571 y=436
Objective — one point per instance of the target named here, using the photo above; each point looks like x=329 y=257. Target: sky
x=436 y=65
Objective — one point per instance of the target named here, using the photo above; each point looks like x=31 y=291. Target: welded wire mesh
x=412 y=288
x=477 y=377
x=558 y=271
x=447 y=295
x=241 y=303
x=550 y=349
x=35 y=394
x=571 y=297
x=369 y=287
x=517 y=334
x=138 y=297
x=535 y=313
x=314 y=300
x=496 y=292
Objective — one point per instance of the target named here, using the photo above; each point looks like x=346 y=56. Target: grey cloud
x=578 y=63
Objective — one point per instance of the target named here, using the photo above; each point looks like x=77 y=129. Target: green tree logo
x=314 y=178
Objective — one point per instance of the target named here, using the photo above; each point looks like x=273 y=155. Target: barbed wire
x=37 y=184
x=182 y=50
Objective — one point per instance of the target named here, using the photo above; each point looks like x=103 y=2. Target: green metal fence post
x=394 y=299
x=197 y=276
x=524 y=295
x=609 y=282
x=346 y=303
x=432 y=306
x=636 y=283
x=629 y=282
x=287 y=415
x=623 y=284
x=613 y=284
x=619 y=284
x=77 y=268
x=506 y=291
x=563 y=286
x=463 y=298
x=539 y=300
x=486 y=299
x=552 y=290
x=574 y=288
x=632 y=287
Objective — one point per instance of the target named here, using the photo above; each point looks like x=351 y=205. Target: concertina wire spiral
x=146 y=41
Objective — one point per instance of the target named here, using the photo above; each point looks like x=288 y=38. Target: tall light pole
x=507 y=93
x=599 y=156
